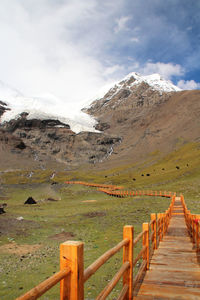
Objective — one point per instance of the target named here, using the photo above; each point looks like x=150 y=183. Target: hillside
x=147 y=120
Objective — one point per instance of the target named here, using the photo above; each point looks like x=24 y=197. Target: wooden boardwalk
x=175 y=266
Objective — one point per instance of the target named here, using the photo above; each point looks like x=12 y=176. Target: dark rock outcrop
x=30 y=200
x=2 y=206
x=2 y=211
x=54 y=140
x=3 y=107
x=102 y=126
x=23 y=123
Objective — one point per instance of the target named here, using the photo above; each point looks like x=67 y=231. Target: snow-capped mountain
x=134 y=117
x=49 y=106
x=46 y=130
x=132 y=81
x=43 y=107
x=155 y=81
x=133 y=91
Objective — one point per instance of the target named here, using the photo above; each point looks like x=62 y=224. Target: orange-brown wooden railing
x=117 y=191
x=72 y=275
x=193 y=224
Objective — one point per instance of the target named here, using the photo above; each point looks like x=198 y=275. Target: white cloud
x=122 y=24
x=188 y=84
x=166 y=70
x=51 y=47
x=135 y=40
x=68 y=49
x=113 y=69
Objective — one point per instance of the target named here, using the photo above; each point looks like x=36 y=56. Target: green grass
x=70 y=214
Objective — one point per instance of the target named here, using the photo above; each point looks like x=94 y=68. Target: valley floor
x=30 y=234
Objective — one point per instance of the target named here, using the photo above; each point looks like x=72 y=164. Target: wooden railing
x=72 y=275
x=99 y=185
x=193 y=224
x=123 y=193
x=115 y=190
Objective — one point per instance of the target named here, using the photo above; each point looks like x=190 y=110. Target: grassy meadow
x=29 y=247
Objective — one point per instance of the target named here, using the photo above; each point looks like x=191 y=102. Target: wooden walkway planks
x=175 y=268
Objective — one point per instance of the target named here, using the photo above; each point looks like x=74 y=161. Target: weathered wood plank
x=155 y=291
x=174 y=268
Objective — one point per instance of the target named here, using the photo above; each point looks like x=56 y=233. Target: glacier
x=48 y=106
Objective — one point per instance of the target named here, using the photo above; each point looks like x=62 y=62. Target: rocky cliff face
x=3 y=107
x=55 y=140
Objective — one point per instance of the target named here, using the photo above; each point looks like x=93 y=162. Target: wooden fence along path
x=174 y=269
x=169 y=261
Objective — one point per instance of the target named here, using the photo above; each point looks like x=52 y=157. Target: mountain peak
x=155 y=81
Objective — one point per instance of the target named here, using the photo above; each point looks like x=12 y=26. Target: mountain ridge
x=132 y=120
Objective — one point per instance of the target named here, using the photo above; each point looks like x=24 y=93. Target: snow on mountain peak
x=153 y=80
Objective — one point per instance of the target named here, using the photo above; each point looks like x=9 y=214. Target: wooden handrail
x=193 y=224
x=123 y=292
x=102 y=259
x=144 y=248
x=44 y=286
x=117 y=191
x=151 y=237
x=139 y=274
x=106 y=291
x=151 y=222
x=138 y=237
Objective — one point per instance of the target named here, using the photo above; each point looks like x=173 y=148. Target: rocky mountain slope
x=50 y=139
x=149 y=115
x=137 y=116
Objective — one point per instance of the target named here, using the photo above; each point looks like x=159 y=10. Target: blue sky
x=71 y=48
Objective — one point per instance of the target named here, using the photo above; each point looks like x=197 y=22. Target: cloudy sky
x=71 y=48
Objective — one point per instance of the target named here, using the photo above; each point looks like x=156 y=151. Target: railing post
x=166 y=220
x=197 y=232
x=189 y=223
x=71 y=255
x=145 y=227
x=198 y=225
x=153 y=228
x=128 y=233
x=193 y=228
x=159 y=227
x=164 y=225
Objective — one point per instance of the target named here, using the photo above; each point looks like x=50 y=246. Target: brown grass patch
x=63 y=236
x=14 y=248
x=89 y=201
